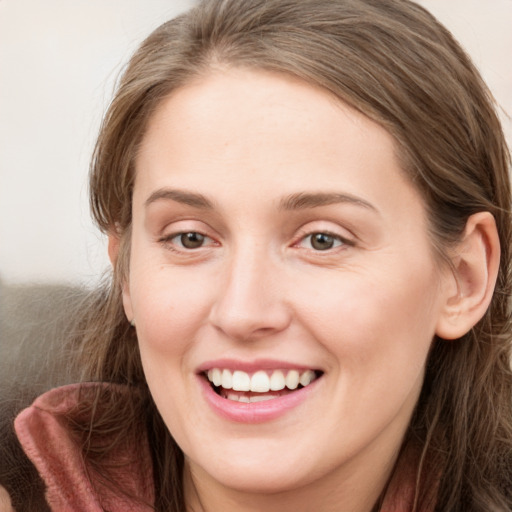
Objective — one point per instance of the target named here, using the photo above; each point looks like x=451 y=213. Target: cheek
x=379 y=319
x=170 y=308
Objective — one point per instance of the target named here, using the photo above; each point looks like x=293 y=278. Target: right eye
x=188 y=240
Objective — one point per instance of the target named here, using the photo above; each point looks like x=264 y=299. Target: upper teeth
x=261 y=381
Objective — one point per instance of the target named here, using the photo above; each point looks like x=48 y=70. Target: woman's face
x=275 y=239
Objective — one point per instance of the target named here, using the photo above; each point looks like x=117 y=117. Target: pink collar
x=72 y=483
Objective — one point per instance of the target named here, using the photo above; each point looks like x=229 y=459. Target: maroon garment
x=72 y=483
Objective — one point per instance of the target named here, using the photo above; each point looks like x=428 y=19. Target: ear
x=114 y=244
x=470 y=285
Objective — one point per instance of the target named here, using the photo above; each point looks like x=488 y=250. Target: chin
x=259 y=479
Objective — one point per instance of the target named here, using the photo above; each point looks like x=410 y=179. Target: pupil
x=192 y=240
x=321 y=241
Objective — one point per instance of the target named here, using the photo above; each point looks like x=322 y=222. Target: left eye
x=322 y=241
x=190 y=240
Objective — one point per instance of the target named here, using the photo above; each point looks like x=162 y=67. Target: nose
x=250 y=302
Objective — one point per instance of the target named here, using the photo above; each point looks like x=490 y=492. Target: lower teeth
x=248 y=397
x=252 y=399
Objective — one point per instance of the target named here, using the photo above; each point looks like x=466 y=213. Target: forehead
x=266 y=132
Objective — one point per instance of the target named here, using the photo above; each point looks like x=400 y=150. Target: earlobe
x=114 y=244
x=470 y=286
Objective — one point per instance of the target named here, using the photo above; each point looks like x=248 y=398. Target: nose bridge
x=250 y=299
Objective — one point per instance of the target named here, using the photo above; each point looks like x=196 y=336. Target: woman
x=308 y=213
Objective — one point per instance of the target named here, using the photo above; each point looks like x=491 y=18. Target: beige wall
x=485 y=30
x=58 y=61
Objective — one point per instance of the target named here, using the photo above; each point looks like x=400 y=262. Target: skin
x=5 y=501
x=364 y=312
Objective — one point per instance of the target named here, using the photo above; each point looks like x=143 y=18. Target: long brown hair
x=392 y=61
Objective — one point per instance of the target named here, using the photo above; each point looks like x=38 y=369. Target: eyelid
x=167 y=234
x=336 y=238
x=340 y=243
x=172 y=227
x=167 y=238
x=309 y=230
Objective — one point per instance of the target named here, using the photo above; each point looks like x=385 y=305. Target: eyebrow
x=180 y=196
x=302 y=201
x=298 y=201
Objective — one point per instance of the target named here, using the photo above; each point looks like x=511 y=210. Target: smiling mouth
x=240 y=386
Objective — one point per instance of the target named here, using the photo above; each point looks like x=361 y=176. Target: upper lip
x=253 y=366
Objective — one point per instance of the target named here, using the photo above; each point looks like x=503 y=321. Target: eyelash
x=337 y=240
x=342 y=241
x=167 y=240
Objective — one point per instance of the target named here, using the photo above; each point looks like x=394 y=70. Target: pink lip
x=256 y=412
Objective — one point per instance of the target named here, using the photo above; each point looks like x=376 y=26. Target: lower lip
x=255 y=412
